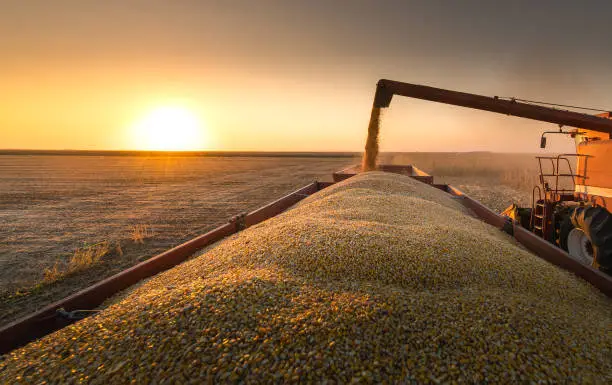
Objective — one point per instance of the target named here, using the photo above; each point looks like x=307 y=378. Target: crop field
x=69 y=221
x=495 y=179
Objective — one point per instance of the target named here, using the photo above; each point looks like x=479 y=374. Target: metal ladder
x=539 y=216
x=538 y=212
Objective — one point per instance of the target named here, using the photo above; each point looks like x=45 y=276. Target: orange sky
x=290 y=76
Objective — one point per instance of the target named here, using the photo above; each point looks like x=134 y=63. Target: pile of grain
x=379 y=278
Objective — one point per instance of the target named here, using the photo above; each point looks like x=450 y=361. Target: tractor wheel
x=564 y=230
x=589 y=239
x=579 y=247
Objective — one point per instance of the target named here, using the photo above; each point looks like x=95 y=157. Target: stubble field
x=69 y=221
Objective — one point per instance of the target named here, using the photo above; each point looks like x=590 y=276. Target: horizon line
x=221 y=153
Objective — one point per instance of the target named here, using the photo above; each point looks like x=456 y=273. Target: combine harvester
x=577 y=218
x=377 y=277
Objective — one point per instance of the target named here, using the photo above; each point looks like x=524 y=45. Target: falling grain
x=371 y=148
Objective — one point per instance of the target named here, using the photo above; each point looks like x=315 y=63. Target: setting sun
x=170 y=128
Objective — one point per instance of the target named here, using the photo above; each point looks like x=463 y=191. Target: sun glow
x=170 y=129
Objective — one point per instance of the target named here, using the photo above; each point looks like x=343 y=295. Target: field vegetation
x=83 y=258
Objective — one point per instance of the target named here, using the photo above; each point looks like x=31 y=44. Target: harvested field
x=53 y=208
x=495 y=179
x=377 y=279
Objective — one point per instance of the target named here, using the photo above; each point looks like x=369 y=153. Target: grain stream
x=371 y=148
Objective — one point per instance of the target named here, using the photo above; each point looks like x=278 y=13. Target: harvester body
x=571 y=205
x=594 y=163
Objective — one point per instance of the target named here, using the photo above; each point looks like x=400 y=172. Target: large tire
x=564 y=229
x=596 y=223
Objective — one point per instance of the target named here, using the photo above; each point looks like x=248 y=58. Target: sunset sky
x=290 y=75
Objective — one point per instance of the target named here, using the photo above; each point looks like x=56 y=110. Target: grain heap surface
x=379 y=278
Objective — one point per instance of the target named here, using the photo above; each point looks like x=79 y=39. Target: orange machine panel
x=597 y=167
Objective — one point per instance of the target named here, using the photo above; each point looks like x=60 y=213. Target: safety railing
x=560 y=179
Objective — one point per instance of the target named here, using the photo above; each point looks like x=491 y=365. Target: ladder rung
x=539 y=216
x=537 y=227
x=549 y=175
